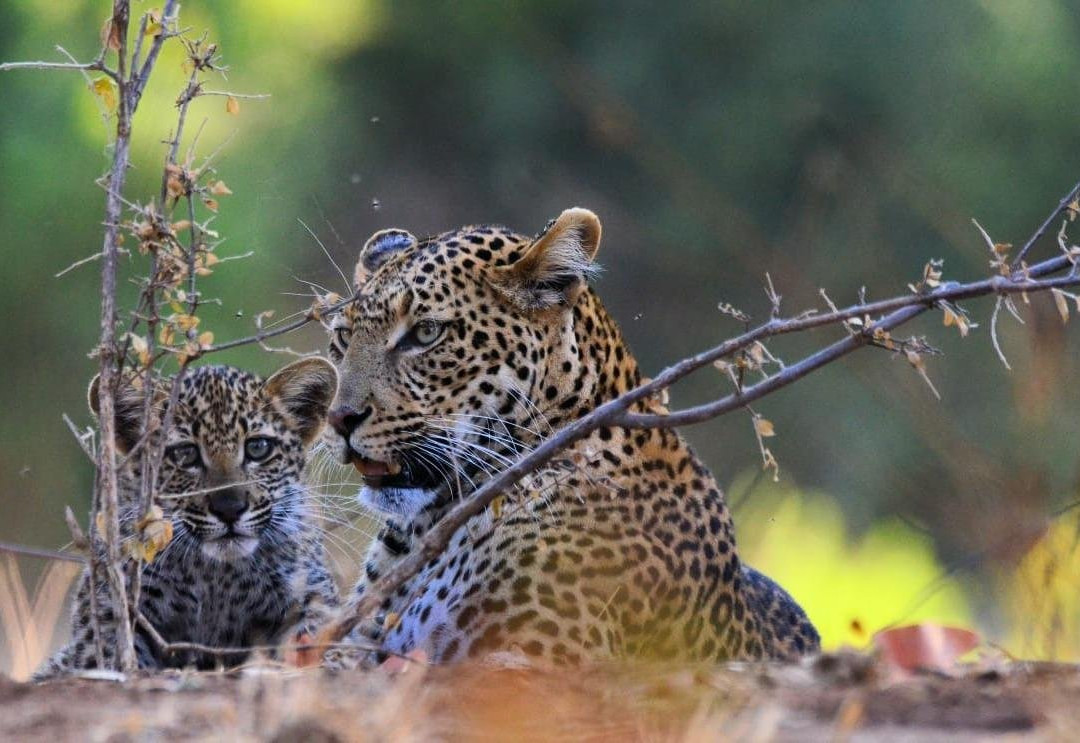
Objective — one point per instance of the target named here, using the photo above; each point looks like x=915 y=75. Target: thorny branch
x=617 y=412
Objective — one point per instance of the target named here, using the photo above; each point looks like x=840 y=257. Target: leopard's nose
x=345 y=419
x=228 y=504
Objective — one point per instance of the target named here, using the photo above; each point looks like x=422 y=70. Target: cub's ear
x=557 y=265
x=303 y=391
x=129 y=409
x=378 y=249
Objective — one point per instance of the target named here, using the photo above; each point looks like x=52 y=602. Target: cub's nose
x=228 y=504
x=345 y=419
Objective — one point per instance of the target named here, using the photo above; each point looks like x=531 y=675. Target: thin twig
x=89 y=66
x=40 y=552
x=300 y=322
x=245 y=96
x=1065 y=201
x=993 y=332
x=83 y=437
x=164 y=646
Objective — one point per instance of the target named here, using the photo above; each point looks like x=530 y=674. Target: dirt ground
x=835 y=697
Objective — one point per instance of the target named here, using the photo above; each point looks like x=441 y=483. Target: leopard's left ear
x=303 y=391
x=557 y=265
x=378 y=249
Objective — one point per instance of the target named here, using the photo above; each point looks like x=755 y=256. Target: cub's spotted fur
x=461 y=351
x=245 y=565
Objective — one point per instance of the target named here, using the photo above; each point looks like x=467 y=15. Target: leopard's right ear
x=556 y=267
x=378 y=249
x=129 y=402
x=303 y=391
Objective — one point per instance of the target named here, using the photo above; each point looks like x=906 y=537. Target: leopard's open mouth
x=393 y=474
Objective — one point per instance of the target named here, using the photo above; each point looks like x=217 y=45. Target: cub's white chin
x=404 y=503
x=230 y=549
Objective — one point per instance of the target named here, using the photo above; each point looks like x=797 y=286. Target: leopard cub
x=245 y=565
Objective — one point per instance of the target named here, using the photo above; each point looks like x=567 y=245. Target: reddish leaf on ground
x=926 y=646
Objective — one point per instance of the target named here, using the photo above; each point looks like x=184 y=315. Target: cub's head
x=459 y=350
x=230 y=477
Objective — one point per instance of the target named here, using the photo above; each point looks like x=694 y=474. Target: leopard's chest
x=219 y=604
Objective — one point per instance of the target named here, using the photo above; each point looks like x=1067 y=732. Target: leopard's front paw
x=359 y=649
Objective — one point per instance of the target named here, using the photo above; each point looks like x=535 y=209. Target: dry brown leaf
x=185 y=322
x=232 y=106
x=175 y=186
x=218 y=188
x=211 y=204
x=154 y=534
x=110 y=35
x=140 y=347
x=764 y=427
x=955 y=318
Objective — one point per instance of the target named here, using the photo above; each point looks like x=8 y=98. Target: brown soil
x=843 y=697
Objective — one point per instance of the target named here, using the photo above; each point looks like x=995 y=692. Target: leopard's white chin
x=404 y=503
x=230 y=549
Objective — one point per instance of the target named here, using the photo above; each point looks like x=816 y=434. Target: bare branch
x=244 y=96
x=89 y=66
x=40 y=552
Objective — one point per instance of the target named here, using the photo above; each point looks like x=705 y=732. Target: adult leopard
x=460 y=351
x=245 y=565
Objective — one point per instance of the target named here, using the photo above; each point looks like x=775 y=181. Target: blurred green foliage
x=832 y=144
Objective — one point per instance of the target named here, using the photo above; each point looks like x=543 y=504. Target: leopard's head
x=462 y=349
x=230 y=477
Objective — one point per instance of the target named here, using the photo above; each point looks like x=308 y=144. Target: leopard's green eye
x=183 y=455
x=421 y=335
x=258 y=448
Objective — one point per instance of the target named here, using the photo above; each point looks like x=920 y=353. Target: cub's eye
x=183 y=455
x=421 y=335
x=342 y=334
x=258 y=448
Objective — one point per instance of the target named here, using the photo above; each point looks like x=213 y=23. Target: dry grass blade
x=29 y=624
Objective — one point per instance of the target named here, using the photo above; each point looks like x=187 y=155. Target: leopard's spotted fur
x=245 y=565
x=462 y=350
